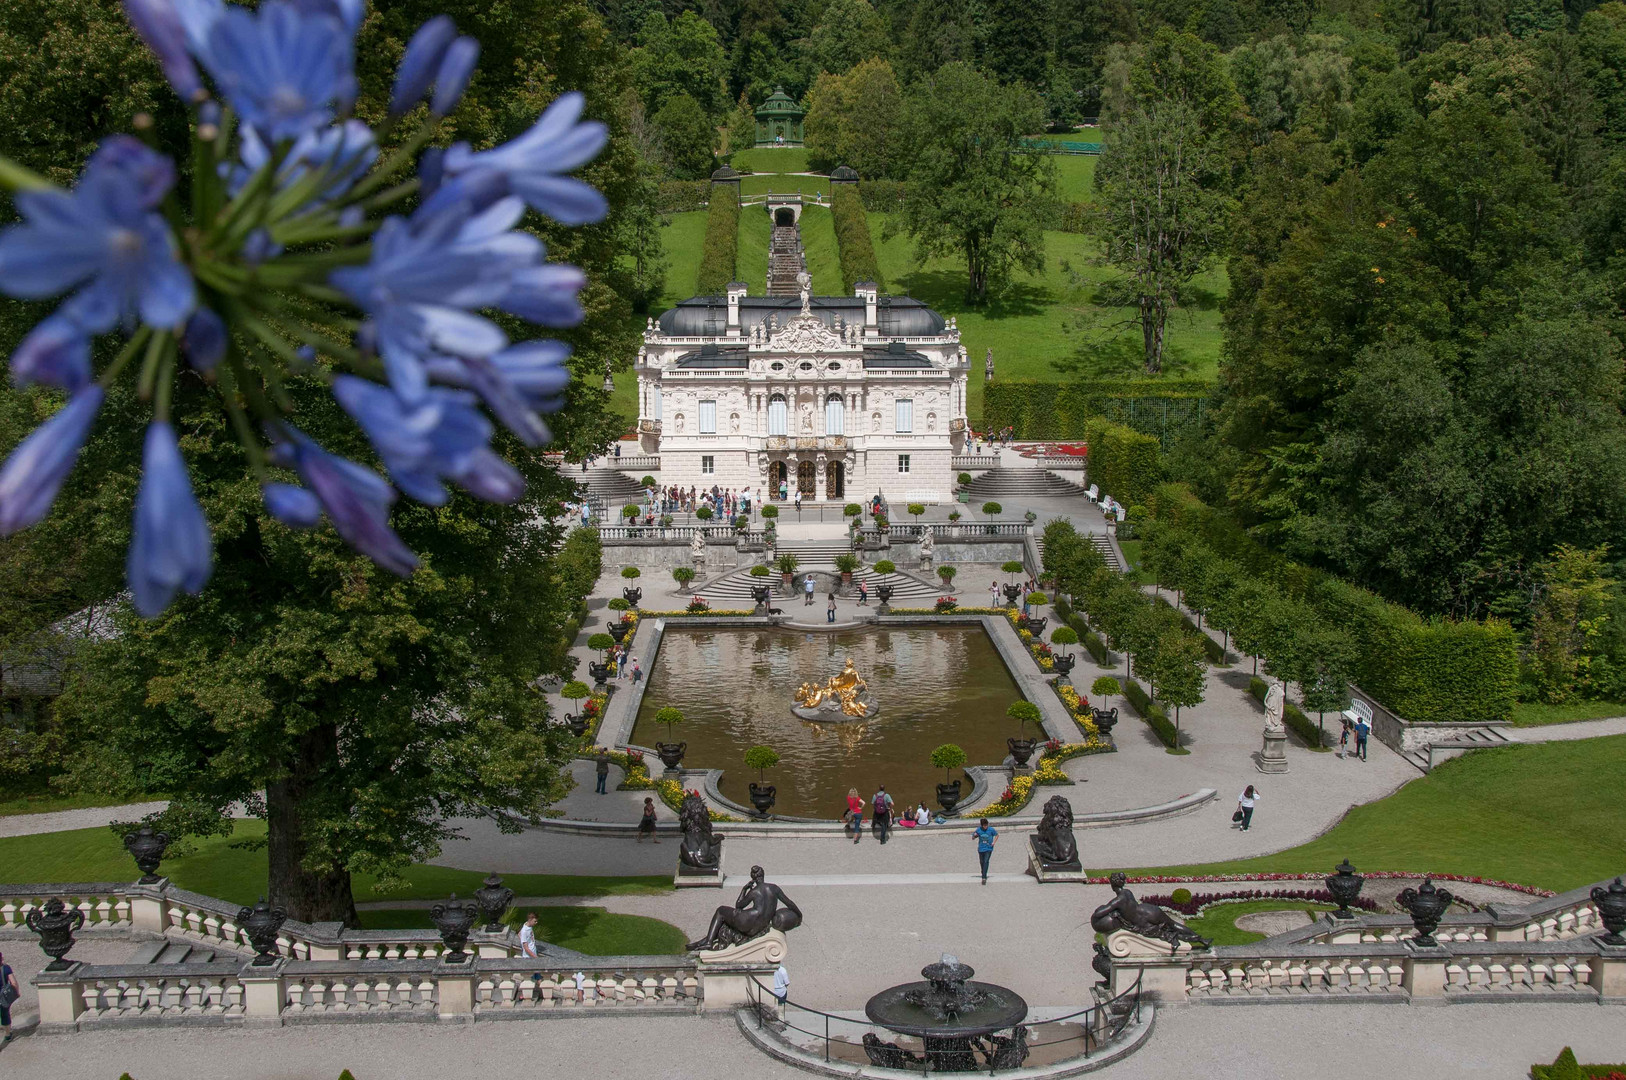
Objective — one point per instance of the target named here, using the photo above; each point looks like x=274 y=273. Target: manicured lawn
x=772 y=159
x=48 y=804
x=682 y=236
x=1218 y=921
x=216 y=868
x=1075 y=177
x=1535 y=714
x=823 y=257
x=751 y=254
x=590 y=930
x=781 y=183
x=1048 y=326
x=1545 y=814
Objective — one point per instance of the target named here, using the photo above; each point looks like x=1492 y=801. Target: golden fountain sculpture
x=842 y=689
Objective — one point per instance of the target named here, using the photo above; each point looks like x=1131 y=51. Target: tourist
x=882 y=812
x=798 y=500
x=637 y=672
x=602 y=767
x=923 y=815
x=863 y=595
x=1363 y=731
x=830 y=612
x=1343 y=739
x=9 y=993
x=1244 y=806
x=646 y=824
x=985 y=845
x=781 y=988
x=783 y=490
x=807 y=589
x=993 y=594
x=907 y=821
x=855 y=813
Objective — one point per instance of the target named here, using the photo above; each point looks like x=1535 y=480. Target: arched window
x=776 y=415
x=834 y=415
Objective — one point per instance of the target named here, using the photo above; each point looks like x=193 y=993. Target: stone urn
x=948 y=795
x=493 y=898
x=1013 y=593
x=454 y=920
x=1612 y=911
x=762 y=797
x=1345 y=886
x=577 y=725
x=671 y=753
x=1426 y=906
x=632 y=595
x=55 y=924
x=618 y=630
x=1064 y=664
x=1021 y=750
x=599 y=672
x=883 y=593
x=148 y=848
x=760 y=594
x=261 y=923
x=1105 y=720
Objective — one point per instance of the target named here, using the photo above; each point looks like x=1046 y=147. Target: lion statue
x=1053 y=840
x=701 y=850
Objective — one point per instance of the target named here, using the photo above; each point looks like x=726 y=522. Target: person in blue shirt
x=985 y=845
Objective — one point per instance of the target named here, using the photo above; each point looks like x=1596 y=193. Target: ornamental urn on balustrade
x=1612 y=911
x=1345 y=886
x=948 y=795
x=493 y=897
x=762 y=797
x=148 y=848
x=1426 y=906
x=455 y=920
x=632 y=596
x=1021 y=750
x=55 y=924
x=261 y=923
x=671 y=753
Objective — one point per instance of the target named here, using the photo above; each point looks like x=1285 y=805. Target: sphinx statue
x=1124 y=912
x=701 y=850
x=1053 y=840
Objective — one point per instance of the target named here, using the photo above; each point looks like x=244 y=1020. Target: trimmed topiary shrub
x=857 y=248
x=1123 y=461
x=722 y=237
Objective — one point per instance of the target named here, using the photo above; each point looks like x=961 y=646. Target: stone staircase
x=1426 y=758
x=734 y=590
x=610 y=485
x=1098 y=541
x=785 y=261
x=176 y=952
x=813 y=554
x=1015 y=483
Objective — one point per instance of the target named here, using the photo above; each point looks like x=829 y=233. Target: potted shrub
x=704 y=513
x=954 y=516
x=787 y=568
x=990 y=510
x=946 y=573
x=759 y=571
x=881 y=523
x=631 y=593
x=671 y=753
x=847 y=563
x=852 y=510
x=630 y=512
x=646 y=482
x=916 y=509
x=1030 y=517
x=1010 y=588
x=1104 y=687
x=574 y=691
x=666 y=521
x=883 y=592
x=761 y=758
x=1064 y=635
x=948 y=757
x=770 y=511
x=683 y=575
x=964 y=481
x=600 y=642
x=1021 y=747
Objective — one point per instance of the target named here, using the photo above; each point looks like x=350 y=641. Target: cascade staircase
x=609 y=485
x=785 y=261
x=1013 y=483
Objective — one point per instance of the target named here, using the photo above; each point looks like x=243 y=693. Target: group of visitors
x=626 y=667
x=884 y=815
x=1361 y=729
x=722 y=502
x=1002 y=437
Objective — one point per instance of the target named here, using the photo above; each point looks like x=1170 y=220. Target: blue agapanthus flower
x=290 y=220
x=169 y=546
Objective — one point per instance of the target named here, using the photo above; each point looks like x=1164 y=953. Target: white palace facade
x=839 y=397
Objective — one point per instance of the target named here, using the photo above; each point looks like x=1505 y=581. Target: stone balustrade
x=1548 y=950
x=102 y=903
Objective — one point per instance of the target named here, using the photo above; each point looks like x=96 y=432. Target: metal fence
x=1099 y=1027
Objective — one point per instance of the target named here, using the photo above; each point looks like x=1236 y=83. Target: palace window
x=906 y=416
x=903 y=463
x=776 y=415
x=708 y=464
x=708 y=418
x=834 y=415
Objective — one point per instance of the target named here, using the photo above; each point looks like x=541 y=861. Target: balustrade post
x=1424 y=967
x=326 y=941
x=147 y=906
x=1608 y=976
x=454 y=984
x=60 y=1000
x=263 y=993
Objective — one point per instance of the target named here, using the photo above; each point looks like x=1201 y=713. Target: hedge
x=1425 y=671
x=1060 y=410
x=881 y=196
x=722 y=237
x=858 y=262
x=1123 y=462
x=1292 y=715
x=681 y=196
x=1215 y=651
x=1566 y=1067
x=1153 y=714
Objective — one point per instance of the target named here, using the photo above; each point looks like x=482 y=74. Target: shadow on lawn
x=1111 y=347
x=944 y=291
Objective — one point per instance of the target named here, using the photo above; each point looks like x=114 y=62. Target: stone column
x=1609 y=972
x=147 y=906
x=455 y=990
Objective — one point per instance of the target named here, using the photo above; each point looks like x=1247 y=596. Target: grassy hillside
x=770 y=159
x=751 y=257
x=823 y=257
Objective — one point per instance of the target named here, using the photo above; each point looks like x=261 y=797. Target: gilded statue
x=843 y=688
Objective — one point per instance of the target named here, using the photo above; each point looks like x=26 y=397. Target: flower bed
x=593 y=712
x=1014 y=798
x=1370 y=875
x=1202 y=900
x=1079 y=709
x=707 y=614
x=957 y=611
x=1566 y=1067
x=671 y=793
x=1049 y=769
x=637 y=770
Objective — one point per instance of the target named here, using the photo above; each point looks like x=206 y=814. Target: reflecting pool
x=735 y=689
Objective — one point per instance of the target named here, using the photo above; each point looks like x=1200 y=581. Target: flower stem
x=15 y=177
x=136 y=341
x=166 y=381
x=157 y=346
x=394 y=163
x=239 y=419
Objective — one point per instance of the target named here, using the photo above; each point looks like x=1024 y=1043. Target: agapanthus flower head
x=292 y=505
x=204 y=339
x=535 y=162
x=55 y=353
x=33 y=474
x=420 y=62
x=456 y=69
x=159 y=25
x=356 y=500
x=103 y=236
x=285 y=70
x=342 y=153
x=169 y=547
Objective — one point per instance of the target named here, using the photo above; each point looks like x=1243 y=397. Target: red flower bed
x=1201 y=900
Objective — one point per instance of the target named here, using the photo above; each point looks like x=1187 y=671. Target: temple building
x=779 y=120
x=837 y=397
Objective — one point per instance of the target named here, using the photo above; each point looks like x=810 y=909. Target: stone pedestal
x=1609 y=972
x=726 y=974
x=455 y=989
x=1161 y=967
x=147 y=906
x=494 y=944
x=1273 y=759
x=1047 y=875
x=60 y=1003
x=1425 y=971
x=688 y=877
x=262 y=992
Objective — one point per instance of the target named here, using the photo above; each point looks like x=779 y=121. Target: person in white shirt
x=781 y=988
x=922 y=815
x=1244 y=803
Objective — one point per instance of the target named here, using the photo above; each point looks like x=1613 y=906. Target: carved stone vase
x=493 y=898
x=948 y=795
x=762 y=797
x=55 y=924
x=1021 y=750
x=147 y=847
x=671 y=753
x=1345 y=886
x=454 y=920
x=1611 y=910
x=261 y=923
x=1426 y=905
